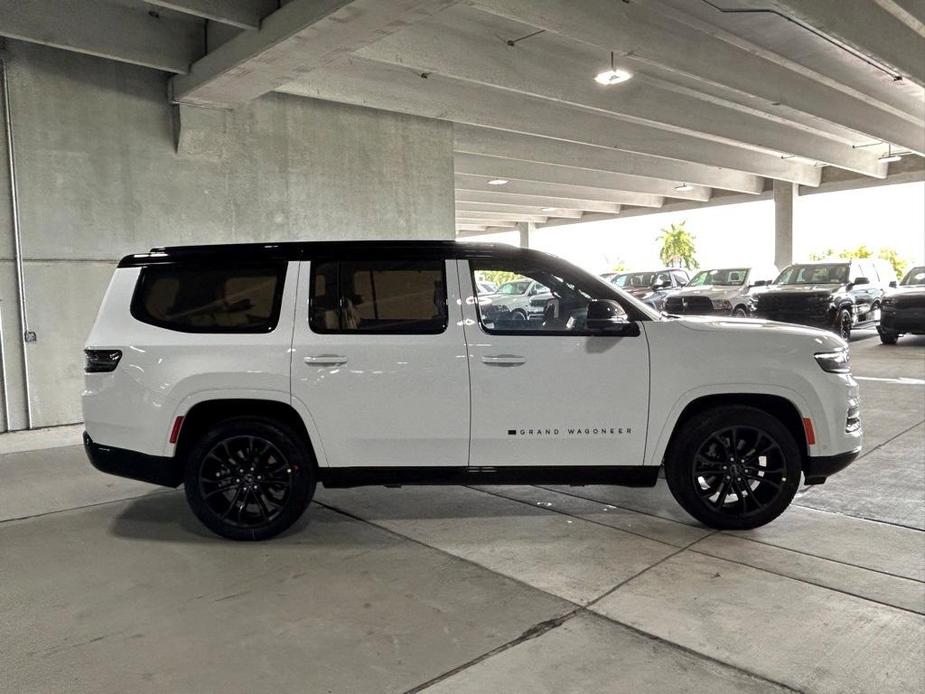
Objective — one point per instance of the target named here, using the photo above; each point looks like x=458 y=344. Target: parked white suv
x=250 y=372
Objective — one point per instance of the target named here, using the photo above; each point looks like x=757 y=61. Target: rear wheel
x=734 y=467
x=888 y=337
x=843 y=323
x=249 y=478
x=740 y=312
x=518 y=314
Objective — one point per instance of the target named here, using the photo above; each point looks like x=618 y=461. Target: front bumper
x=817 y=468
x=903 y=320
x=167 y=472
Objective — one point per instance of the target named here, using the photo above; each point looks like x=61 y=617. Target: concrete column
x=784 y=194
x=525 y=229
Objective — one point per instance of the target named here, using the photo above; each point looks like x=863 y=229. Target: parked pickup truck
x=249 y=373
x=720 y=291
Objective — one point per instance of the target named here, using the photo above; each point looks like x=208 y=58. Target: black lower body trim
x=624 y=475
x=167 y=472
x=818 y=468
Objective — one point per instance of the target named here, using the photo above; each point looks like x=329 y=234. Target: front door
x=546 y=391
x=378 y=360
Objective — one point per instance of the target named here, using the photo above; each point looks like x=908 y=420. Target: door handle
x=504 y=360
x=326 y=360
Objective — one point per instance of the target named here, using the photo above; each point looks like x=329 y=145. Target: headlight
x=888 y=301
x=836 y=362
x=722 y=304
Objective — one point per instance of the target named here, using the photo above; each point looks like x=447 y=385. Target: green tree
x=889 y=254
x=892 y=257
x=498 y=277
x=678 y=247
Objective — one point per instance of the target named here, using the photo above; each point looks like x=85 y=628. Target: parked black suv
x=904 y=308
x=836 y=295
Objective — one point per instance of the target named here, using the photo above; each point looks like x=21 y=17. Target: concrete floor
x=111 y=586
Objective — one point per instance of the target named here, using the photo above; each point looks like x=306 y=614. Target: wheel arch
x=206 y=413
x=778 y=406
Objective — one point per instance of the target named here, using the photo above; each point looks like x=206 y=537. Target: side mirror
x=662 y=284
x=860 y=280
x=606 y=317
x=761 y=283
x=894 y=284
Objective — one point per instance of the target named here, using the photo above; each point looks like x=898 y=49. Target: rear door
x=548 y=393
x=379 y=360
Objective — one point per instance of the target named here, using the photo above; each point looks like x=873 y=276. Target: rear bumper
x=818 y=468
x=167 y=472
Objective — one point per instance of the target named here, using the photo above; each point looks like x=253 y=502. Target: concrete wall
x=99 y=177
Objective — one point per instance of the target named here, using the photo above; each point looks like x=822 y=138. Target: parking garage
x=132 y=125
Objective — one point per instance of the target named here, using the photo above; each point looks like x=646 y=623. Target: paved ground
x=108 y=586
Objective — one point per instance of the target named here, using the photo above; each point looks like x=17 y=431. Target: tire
x=518 y=314
x=740 y=312
x=888 y=337
x=704 y=480
x=843 y=323
x=233 y=499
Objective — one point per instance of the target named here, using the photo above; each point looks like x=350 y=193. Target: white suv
x=250 y=372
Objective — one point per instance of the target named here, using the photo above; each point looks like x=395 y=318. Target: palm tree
x=678 y=247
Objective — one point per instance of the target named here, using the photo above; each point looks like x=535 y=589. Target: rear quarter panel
x=163 y=373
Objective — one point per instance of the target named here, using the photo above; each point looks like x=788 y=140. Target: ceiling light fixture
x=614 y=75
x=548 y=209
x=889 y=156
x=498 y=182
x=684 y=188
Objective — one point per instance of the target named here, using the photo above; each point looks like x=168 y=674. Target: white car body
x=423 y=401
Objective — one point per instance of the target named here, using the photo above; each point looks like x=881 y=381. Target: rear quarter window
x=210 y=299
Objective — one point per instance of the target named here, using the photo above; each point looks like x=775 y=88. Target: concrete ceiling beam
x=123 y=33
x=462 y=43
x=866 y=28
x=299 y=37
x=675 y=42
x=549 y=211
x=485 y=217
x=243 y=14
x=488 y=197
x=394 y=88
x=478 y=165
x=642 y=173
x=557 y=190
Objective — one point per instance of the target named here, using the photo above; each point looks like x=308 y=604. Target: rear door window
x=376 y=296
x=210 y=298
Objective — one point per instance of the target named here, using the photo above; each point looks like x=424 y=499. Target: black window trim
x=282 y=270
x=351 y=258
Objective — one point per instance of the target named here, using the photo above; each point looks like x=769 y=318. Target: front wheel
x=843 y=323
x=249 y=478
x=734 y=467
x=888 y=337
x=740 y=312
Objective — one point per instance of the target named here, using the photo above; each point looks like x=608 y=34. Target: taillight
x=101 y=360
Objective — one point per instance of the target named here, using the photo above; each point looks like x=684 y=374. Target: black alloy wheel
x=245 y=481
x=733 y=467
x=843 y=323
x=739 y=470
x=249 y=479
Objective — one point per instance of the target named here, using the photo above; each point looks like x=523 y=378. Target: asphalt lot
x=111 y=586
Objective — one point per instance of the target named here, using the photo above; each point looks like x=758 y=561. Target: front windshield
x=727 y=277
x=915 y=277
x=632 y=280
x=828 y=273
